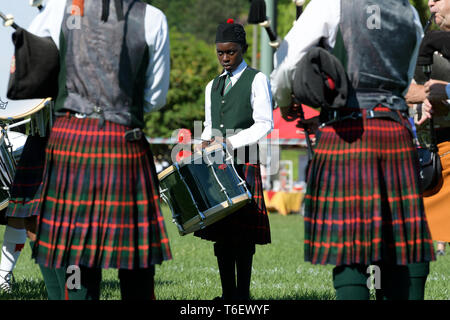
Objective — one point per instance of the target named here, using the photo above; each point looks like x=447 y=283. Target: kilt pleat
x=27 y=183
x=248 y=224
x=363 y=202
x=100 y=200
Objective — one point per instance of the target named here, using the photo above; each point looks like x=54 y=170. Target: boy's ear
x=244 y=48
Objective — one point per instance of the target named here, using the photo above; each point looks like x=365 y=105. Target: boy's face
x=442 y=10
x=229 y=55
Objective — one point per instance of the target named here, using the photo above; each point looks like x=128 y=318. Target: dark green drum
x=203 y=189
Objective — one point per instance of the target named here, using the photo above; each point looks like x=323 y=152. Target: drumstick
x=17 y=124
x=9 y=20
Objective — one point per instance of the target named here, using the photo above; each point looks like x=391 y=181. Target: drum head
x=18 y=109
x=17 y=141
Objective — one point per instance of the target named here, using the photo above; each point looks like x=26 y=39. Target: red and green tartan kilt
x=100 y=200
x=363 y=202
x=25 y=189
x=248 y=224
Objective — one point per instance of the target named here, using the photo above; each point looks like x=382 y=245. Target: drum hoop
x=240 y=200
x=35 y=109
x=167 y=171
x=4 y=203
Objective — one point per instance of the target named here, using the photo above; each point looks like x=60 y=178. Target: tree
x=200 y=17
x=193 y=64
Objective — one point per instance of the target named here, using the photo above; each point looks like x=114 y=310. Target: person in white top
x=363 y=203
x=99 y=204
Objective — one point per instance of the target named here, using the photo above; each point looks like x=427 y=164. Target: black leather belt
x=341 y=115
x=135 y=134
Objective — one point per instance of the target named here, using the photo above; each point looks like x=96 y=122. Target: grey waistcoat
x=379 y=37
x=104 y=63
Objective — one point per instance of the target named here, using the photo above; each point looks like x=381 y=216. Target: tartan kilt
x=363 y=202
x=26 y=186
x=249 y=224
x=100 y=199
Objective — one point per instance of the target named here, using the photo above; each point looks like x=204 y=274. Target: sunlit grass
x=279 y=272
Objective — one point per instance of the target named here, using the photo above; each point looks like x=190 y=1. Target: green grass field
x=279 y=272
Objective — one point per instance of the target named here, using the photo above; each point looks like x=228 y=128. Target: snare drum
x=203 y=189
x=37 y=114
x=11 y=147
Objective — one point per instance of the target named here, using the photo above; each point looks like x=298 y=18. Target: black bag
x=34 y=74
x=321 y=81
x=430 y=174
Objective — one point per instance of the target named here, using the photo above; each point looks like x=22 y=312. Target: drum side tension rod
x=8 y=20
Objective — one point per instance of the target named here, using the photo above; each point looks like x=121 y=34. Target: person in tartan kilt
x=99 y=205
x=435 y=44
x=363 y=204
x=239 y=98
x=24 y=196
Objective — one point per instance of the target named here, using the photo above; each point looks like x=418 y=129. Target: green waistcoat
x=234 y=111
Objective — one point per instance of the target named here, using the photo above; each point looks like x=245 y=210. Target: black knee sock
x=394 y=282
x=137 y=284
x=403 y=282
x=244 y=261
x=90 y=285
x=350 y=282
x=227 y=263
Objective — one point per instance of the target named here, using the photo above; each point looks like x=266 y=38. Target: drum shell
x=192 y=190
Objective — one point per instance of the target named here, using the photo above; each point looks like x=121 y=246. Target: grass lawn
x=279 y=272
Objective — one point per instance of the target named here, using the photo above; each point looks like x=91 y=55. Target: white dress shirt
x=320 y=19
x=48 y=24
x=261 y=102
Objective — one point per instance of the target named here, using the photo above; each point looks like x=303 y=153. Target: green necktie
x=228 y=84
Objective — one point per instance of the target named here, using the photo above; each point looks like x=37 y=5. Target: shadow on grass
x=26 y=290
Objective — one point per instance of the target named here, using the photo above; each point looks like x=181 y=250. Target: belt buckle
x=80 y=115
x=133 y=135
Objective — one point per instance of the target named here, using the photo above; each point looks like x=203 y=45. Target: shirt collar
x=238 y=71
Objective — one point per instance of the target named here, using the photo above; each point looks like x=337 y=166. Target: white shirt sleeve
x=158 y=71
x=48 y=22
x=261 y=101
x=207 y=131
x=320 y=19
x=419 y=33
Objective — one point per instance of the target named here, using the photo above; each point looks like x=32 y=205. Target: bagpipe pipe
x=9 y=19
x=258 y=15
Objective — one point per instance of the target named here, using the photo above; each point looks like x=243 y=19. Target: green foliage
x=193 y=65
x=201 y=17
